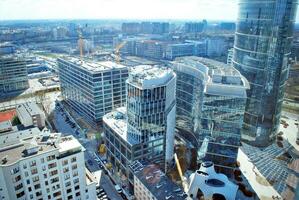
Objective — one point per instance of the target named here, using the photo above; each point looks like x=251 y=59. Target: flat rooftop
x=36 y=145
x=28 y=109
x=156 y=181
x=146 y=76
x=93 y=66
x=117 y=121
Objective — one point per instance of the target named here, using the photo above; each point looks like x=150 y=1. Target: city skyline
x=101 y=9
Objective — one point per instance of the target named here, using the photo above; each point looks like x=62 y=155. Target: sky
x=119 y=9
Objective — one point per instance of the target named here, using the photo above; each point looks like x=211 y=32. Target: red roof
x=7 y=115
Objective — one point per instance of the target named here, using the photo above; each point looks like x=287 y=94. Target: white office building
x=45 y=166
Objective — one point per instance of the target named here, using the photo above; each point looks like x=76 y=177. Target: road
x=90 y=147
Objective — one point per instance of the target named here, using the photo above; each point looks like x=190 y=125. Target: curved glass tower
x=262 y=46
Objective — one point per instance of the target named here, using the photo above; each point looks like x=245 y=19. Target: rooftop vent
x=4 y=159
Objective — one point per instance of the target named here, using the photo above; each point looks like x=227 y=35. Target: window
x=65 y=170
x=37 y=186
x=52 y=173
x=75 y=173
x=65 y=162
x=42 y=160
x=15 y=170
x=18 y=186
x=67 y=184
x=20 y=194
x=74 y=167
x=50 y=166
x=69 y=190
x=74 y=159
x=34 y=171
x=52 y=157
x=77 y=187
x=57 y=194
x=76 y=180
x=32 y=163
x=17 y=178
x=35 y=179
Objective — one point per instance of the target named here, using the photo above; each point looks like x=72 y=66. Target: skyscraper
x=262 y=46
x=211 y=99
x=145 y=131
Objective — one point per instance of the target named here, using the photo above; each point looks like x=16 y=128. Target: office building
x=13 y=74
x=151 y=183
x=262 y=46
x=92 y=88
x=211 y=99
x=150 y=49
x=145 y=129
x=228 y=26
x=216 y=46
x=30 y=114
x=188 y=48
x=230 y=56
x=7 y=48
x=194 y=27
x=45 y=166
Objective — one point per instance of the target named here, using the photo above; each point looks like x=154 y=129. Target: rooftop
x=28 y=109
x=38 y=144
x=156 y=181
x=218 y=78
x=91 y=66
x=118 y=122
x=146 y=76
x=5 y=126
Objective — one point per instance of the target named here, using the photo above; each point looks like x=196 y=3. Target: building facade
x=45 y=166
x=261 y=50
x=30 y=114
x=92 y=88
x=145 y=129
x=13 y=74
x=211 y=99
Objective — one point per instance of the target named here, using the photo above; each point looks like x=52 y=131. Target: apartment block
x=45 y=166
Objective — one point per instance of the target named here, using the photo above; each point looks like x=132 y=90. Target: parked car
x=118 y=189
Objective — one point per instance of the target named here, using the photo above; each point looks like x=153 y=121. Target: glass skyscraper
x=262 y=46
x=211 y=99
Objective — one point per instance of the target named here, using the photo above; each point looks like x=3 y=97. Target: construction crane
x=183 y=179
x=117 y=49
x=81 y=45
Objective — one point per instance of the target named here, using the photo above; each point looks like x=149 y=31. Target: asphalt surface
x=91 y=146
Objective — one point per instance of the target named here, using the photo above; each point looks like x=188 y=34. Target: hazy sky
x=118 y=9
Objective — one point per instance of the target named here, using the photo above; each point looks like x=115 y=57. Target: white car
x=118 y=189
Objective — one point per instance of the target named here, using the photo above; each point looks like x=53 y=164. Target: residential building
x=30 y=114
x=151 y=183
x=13 y=74
x=130 y=27
x=262 y=46
x=45 y=166
x=211 y=99
x=92 y=88
x=145 y=129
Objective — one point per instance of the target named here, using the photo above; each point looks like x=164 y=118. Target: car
x=118 y=189
x=89 y=162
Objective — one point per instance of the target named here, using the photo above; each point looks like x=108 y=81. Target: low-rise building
x=30 y=114
x=151 y=183
x=45 y=166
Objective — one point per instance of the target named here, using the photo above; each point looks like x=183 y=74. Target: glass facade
x=211 y=99
x=13 y=74
x=92 y=93
x=262 y=46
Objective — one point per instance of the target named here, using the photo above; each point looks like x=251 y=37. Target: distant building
x=216 y=46
x=151 y=183
x=130 y=28
x=13 y=74
x=145 y=27
x=31 y=115
x=150 y=49
x=92 y=88
x=145 y=130
x=229 y=26
x=211 y=99
x=194 y=27
x=45 y=166
x=7 y=48
x=189 y=48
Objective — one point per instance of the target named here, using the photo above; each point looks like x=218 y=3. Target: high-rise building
x=145 y=130
x=194 y=27
x=211 y=99
x=45 y=166
x=13 y=74
x=92 y=88
x=262 y=46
